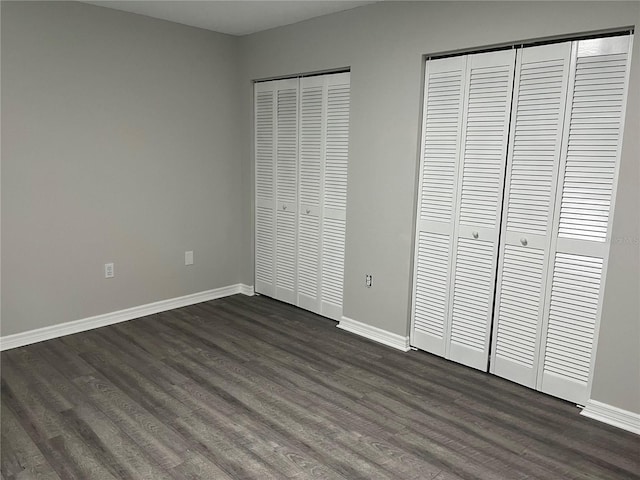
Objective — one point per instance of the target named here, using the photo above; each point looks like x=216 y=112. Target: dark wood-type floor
x=247 y=387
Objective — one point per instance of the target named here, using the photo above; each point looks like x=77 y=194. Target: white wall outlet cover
x=109 y=271
x=188 y=258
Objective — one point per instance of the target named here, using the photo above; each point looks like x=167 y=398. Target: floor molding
x=247 y=290
x=611 y=415
x=374 y=333
x=38 y=335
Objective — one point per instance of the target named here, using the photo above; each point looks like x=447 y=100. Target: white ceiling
x=239 y=17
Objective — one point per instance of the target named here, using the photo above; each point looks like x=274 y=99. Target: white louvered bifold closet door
x=437 y=194
x=301 y=152
x=485 y=127
x=465 y=134
x=532 y=171
x=311 y=154
x=583 y=214
x=286 y=188
x=265 y=195
x=276 y=154
x=334 y=211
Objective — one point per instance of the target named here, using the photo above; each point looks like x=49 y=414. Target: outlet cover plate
x=108 y=270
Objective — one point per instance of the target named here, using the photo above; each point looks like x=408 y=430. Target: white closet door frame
x=515 y=350
x=308 y=210
x=434 y=238
x=548 y=382
x=470 y=269
x=265 y=207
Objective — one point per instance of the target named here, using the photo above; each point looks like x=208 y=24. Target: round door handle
x=284 y=207
x=524 y=241
x=475 y=234
x=308 y=211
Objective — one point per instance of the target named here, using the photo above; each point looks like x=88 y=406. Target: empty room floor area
x=251 y=388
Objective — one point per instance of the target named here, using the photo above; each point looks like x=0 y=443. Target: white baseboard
x=374 y=333
x=247 y=290
x=612 y=416
x=38 y=335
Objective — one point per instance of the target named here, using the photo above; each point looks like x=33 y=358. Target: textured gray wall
x=384 y=44
x=119 y=143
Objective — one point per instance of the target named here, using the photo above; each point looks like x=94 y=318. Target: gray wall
x=119 y=143
x=384 y=44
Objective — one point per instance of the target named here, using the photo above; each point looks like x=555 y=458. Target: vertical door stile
x=437 y=197
x=583 y=217
x=539 y=99
x=479 y=207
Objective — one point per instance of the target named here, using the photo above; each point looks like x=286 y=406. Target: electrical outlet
x=108 y=270
x=368 y=280
x=188 y=257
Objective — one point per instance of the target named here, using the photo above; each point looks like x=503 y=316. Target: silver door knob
x=524 y=241
x=475 y=234
x=284 y=207
x=308 y=211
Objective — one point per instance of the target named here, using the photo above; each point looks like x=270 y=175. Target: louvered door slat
x=485 y=127
x=264 y=145
x=601 y=143
x=265 y=241
x=573 y=362
x=287 y=145
x=336 y=161
x=482 y=179
x=472 y=293
x=285 y=248
x=518 y=310
x=308 y=258
x=441 y=139
x=534 y=154
x=265 y=188
x=437 y=194
x=432 y=284
x=311 y=142
x=584 y=205
x=333 y=240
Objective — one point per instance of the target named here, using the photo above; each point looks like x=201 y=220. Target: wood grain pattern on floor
x=250 y=388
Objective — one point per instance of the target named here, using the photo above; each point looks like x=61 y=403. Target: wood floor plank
x=251 y=388
x=197 y=466
x=18 y=453
x=148 y=432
